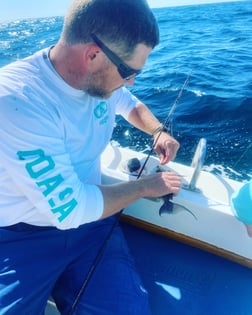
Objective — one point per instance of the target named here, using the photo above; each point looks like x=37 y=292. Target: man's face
x=103 y=82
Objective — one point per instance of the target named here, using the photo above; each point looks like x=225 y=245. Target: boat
x=201 y=214
x=195 y=258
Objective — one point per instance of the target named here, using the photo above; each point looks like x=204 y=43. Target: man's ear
x=92 y=55
x=91 y=52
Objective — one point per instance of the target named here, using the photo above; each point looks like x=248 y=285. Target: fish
x=170 y=207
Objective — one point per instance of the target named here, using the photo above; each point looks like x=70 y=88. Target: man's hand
x=166 y=147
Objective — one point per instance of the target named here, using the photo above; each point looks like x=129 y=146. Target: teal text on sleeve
x=39 y=164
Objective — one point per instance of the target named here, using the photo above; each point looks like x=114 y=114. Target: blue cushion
x=241 y=202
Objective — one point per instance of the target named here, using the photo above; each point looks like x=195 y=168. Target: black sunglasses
x=124 y=70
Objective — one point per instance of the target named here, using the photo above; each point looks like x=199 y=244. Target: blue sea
x=210 y=43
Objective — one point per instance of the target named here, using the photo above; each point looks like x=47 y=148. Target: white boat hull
x=212 y=226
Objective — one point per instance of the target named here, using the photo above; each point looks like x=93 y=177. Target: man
x=57 y=111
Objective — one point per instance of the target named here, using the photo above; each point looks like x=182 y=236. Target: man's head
x=120 y=23
x=105 y=43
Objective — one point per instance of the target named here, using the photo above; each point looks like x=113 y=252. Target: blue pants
x=38 y=262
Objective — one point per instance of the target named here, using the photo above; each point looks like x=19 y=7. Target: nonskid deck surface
x=184 y=280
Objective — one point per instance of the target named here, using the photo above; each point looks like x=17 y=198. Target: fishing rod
x=166 y=122
x=117 y=217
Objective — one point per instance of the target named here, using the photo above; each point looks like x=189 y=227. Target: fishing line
x=117 y=217
x=242 y=155
x=94 y=264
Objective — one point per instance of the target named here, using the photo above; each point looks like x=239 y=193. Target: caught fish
x=170 y=207
x=167 y=206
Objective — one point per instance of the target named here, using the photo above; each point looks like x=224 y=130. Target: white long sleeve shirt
x=51 y=139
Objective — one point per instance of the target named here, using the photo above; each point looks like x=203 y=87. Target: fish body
x=170 y=207
x=167 y=206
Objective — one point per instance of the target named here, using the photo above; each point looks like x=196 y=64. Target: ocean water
x=212 y=44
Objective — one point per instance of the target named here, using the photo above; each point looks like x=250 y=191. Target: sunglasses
x=124 y=70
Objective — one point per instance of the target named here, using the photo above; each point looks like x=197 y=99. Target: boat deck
x=185 y=280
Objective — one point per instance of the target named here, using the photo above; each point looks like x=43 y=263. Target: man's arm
x=118 y=196
x=166 y=146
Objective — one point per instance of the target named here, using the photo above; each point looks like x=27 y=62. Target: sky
x=18 y=9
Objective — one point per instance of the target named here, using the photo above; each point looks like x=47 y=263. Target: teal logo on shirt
x=38 y=167
x=101 y=111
